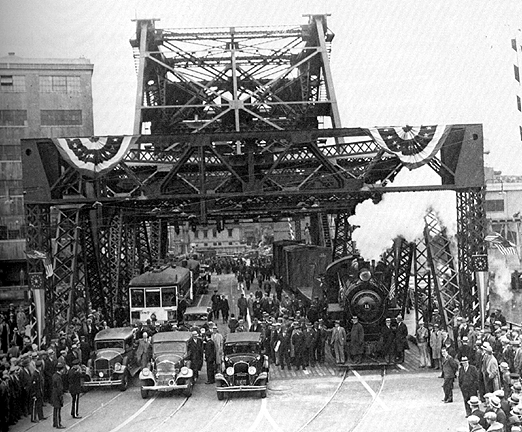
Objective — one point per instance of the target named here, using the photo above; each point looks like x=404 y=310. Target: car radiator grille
x=241 y=376
x=102 y=365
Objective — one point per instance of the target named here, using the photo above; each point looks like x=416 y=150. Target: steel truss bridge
x=236 y=125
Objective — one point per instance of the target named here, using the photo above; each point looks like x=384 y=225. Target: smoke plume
x=501 y=281
x=401 y=214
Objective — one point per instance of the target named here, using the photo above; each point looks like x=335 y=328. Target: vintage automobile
x=196 y=316
x=113 y=363
x=168 y=371
x=245 y=368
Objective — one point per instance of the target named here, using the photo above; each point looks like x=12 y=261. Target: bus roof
x=162 y=277
x=117 y=333
x=197 y=310
x=174 y=336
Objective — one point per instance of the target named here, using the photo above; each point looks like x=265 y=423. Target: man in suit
x=356 y=340
x=57 y=396
x=338 y=340
x=210 y=357
x=449 y=370
x=388 y=341
x=468 y=382
x=37 y=393
x=75 y=386
x=195 y=354
x=401 y=339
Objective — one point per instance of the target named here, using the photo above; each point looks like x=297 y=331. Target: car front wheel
x=188 y=391
x=124 y=382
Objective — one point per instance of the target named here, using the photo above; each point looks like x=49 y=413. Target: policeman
x=75 y=386
x=37 y=393
x=57 y=396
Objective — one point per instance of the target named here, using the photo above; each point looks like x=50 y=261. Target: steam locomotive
x=355 y=287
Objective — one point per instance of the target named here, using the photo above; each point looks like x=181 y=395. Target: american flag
x=504 y=246
x=37 y=255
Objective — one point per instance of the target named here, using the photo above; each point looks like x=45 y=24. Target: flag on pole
x=37 y=255
x=49 y=272
x=504 y=246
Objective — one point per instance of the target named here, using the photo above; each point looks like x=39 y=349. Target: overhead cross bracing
x=235 y=79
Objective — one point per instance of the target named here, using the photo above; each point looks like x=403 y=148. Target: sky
x=393 y=62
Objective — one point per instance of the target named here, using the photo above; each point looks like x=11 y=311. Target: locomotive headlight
x=252 y=370
x=230 y=370
x=117 y=367
x=365 y=275
x=145 y=371
x=184 y=370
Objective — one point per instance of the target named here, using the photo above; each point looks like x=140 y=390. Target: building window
x=59 y=84
x=196 y=234
x=12 y=83
x=517 y=73
x=205 y=234
x=230 y=243
x=205 y=244
x=13 y=118
x=519 y=104
x=230 y=231
x=494 y=205
x=61 y=117
x=214 y=233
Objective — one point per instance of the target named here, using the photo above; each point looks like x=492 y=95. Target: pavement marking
x=136 y=414
x=263 y=412
x=369 y=389
x=97 y=409
x=402 y=367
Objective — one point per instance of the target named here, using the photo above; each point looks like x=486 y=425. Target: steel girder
x=441 y=258
x=471 y=230
x=38 y=222
x=423 y=282
x=240 y=78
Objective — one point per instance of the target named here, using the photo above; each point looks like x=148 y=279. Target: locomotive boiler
x=355 y=287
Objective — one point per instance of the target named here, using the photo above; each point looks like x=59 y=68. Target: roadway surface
x=322 y=398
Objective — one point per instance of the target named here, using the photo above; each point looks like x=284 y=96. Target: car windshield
x=242 y=348
x=169 y=347
x=104 y=344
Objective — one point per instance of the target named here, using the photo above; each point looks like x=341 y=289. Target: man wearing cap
x=490 y=370
x=474 y=425
x=468 y=382
x=57 y=396
x=436 y=345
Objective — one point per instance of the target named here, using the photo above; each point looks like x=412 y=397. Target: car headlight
x=145 y=371
x=100 y=374
x=117 y=367
x=171 y=382
x=230 y=370
x=252 y=370
x=184 y=370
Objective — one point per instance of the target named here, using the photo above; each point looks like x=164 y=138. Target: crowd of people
x=486 y=362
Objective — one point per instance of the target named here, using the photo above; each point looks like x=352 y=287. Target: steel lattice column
x=402 y=258
x=471 y=229
x=422 y=277
x=342 y=242
x=69 y=284
x=38 y=221
x=441 y=261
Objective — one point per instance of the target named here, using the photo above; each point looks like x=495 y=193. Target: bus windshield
x=152 y=298
x=168 y=297
x=137 y=297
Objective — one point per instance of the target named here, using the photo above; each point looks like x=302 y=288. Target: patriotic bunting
x=413 y=145
x=96 y=155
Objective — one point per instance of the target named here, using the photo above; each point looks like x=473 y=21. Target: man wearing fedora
x=474 y=405
x=468 y=382
x=449 y=370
